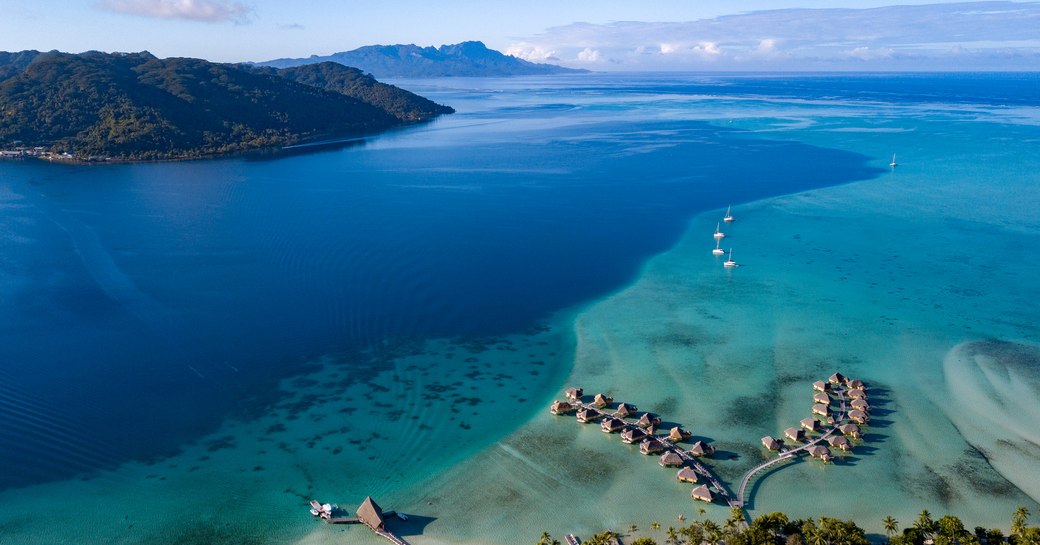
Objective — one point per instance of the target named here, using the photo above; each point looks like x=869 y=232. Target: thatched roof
x=839 y=441
x=670 y=459
x=858 y=416
x=631 y=435
x=700 y=448
x=575 y=393
x=602 y=401
x=794 y=434
x=771 y=443
x=821 y=409
x=371 y=514
x=648 y=420
x=856 y=384
x=860 y=404
x=837 y=378
x=857 y=394
x=624 y=409
x=810 y=424
x=702 y=493
x=588 y=415
x=820 y=397
x=560 y=407
x=821 y=386
x=651 y=446
x=850 y=429
x=821 y=452
x=687 y=475
x=678 y=434
x=611 y=424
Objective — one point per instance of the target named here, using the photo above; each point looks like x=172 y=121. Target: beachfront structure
x=794 y=434
x=860 y=404
x=651 y=446
x=624 y=410
x=811 y=424
x=820 y=397
x=837 y=378
x=371 y=514
x=856 y=394
x=561 y=407
x=858 y=417
x=700 y=448
x=586 y=414
x=771 y=443
x=687 y=475
x=670 y=459
x=611 y=424
x=602 y=401
x=856 y=384
x=821 y=452
x=840 y=441
x=851 y=430
x=821 y=386
x=821 y=409
x=648 y=420
x=678 y=434
x=702 y=493
x=632 y=435
x=574 y=394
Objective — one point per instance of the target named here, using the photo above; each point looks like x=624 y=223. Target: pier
x=369 y=514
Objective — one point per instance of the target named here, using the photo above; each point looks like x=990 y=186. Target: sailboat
x=717 y=250
x=719 y=234
x=729 y=262
x=729 y=217
x=893 y=163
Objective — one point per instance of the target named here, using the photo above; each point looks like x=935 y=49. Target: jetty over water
x=369 y=514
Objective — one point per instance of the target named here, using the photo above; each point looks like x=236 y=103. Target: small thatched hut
x=840 y=441
x=856 y=384
x=586 y=415
x=609 y=424
x=574 y=394
x=771 y=443
x=670 y=459
x=858 y=417
x=648 y=420
x=560 y=407
x=700 y=448
x=624 y=410
x=678 y=434
x=810 y=424
x=651 y=446
x=687 y=475
x=851 y=430
x=602 y=401
x=821 y=409
x=820 y=452
x=702 y=493
x=837 y=378
x=794 y=434
x=821 y=386
x=820 y=397
x=632 y=435
x=856 y=394
x=371 y=514
x=860 y=404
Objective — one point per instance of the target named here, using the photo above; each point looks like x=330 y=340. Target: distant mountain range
x=412 y=61
x=137 y=106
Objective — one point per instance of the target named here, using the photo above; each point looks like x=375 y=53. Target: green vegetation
x=778 y=529
x=136 y=106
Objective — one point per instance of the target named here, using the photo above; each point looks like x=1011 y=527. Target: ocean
x=193 y=350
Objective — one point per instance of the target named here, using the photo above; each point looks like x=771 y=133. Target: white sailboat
x=729 y=262
x=719 y=234
x=729 y=217
x=893 y=163
x=717 y=250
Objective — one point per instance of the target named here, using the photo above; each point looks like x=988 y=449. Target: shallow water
x=384 y=319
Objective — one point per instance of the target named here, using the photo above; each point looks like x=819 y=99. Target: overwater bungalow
x=839 y=441
x=687 y=475
x=821 y=452
x=860 y=404
x=632 y=435
x=670 y=459
x=700 y=448
x=820 y=397
x=856 y=385
x=837 y=378
x=678 y=434
x=624 y=410
x=858 y=416
x=609 y=424
x=560 y=407
x=586 y=415
x=821 y=386
x=856 y=394
x=771 y=443
x=851 y=430
x=651 y=446
x=702 y=493
x=371 y=514
x=648 y=420
x=794 y=434
x=602 y=401
x=821 y=409
x=574 y=394
x=810 y=424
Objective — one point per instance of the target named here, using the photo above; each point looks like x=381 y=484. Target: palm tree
x=891 y=525
x=680 y=517
x=924 y=523
x=671 y=536
x=655 y=525
x=632 y=528
x=1018 y=520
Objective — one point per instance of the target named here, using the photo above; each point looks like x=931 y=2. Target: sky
x=594 y=34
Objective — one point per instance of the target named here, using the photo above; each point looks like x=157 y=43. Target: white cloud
x=211 y=11
x=589 y=55
x=533 y=53
x=865 y=53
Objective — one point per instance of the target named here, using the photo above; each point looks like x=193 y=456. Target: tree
x=924 y=523
x=671 y=536
x=644 y=541
x=632 y=528
x=1018 y=520
x=654 y=525
x=891 y=525
x=951 y=528
x=546 y=539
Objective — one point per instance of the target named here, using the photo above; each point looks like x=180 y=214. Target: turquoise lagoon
x=194 y=350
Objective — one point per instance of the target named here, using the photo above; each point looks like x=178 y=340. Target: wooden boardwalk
x=391 y=536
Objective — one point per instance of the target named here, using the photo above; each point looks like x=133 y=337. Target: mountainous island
x=412 y=61
x=134 y=106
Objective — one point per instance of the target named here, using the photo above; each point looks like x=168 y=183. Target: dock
x=369 y=514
